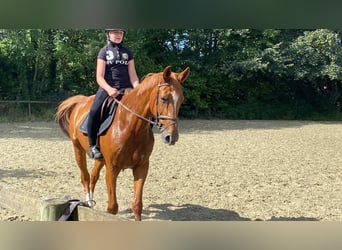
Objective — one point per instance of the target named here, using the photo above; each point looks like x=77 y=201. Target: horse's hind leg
x=80 y=156
x=95 y=174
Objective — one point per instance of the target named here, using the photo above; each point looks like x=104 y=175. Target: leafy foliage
x=235 y=73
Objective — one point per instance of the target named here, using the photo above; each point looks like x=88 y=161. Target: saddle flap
x=107 y=117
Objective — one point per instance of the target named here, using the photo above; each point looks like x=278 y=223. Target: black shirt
x=117 y=58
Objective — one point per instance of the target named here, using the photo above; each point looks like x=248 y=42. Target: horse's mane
x=145 y=76
x=146 y=83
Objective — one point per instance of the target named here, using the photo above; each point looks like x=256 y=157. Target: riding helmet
x=107 y=30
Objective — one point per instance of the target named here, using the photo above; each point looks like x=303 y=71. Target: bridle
x=158 y=117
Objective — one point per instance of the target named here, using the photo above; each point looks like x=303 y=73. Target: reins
x=134 y=113
x=157 y=123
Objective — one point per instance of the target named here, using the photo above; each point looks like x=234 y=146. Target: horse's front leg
x=140 y=174
x=112 y=173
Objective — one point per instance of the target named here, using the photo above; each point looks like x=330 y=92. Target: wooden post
x=29 y=109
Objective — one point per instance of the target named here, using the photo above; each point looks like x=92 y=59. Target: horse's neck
x=137 y=101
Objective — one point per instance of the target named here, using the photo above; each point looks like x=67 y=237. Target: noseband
x=158 y=116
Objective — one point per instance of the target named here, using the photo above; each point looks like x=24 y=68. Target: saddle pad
x=106 y=121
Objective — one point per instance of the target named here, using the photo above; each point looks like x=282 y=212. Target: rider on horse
x=115 y=71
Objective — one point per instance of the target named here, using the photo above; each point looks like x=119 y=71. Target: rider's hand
x=113 y=92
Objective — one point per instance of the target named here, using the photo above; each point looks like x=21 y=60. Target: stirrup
x=95 y=153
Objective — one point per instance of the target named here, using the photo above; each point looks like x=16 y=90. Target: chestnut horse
x=129 y=141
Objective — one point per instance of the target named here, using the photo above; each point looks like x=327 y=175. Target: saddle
x=107 y=115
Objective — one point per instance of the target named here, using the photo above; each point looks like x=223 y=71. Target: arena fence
x=27 y=108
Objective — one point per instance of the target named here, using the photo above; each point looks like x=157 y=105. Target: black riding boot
x=93 y=127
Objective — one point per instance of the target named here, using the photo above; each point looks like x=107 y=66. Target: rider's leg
x=94 y=123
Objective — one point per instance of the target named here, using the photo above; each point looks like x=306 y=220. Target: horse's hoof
x=113 y=210
x=91 y=203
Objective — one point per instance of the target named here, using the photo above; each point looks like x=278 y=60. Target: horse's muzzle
x=169 y=138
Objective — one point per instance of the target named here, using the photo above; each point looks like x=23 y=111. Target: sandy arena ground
x=219 y=170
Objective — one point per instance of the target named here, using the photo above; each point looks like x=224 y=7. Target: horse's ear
x=182 y=76
x=167 y=73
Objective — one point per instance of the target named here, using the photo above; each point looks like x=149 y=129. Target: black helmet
x=107 y=30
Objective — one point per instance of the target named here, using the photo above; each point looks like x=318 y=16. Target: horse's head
x=167 y=102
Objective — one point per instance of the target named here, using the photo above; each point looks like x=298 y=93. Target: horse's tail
x=64 y=110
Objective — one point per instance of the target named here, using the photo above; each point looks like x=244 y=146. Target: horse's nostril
x=168 y=139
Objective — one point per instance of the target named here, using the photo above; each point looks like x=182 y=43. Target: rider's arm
x=100 y=73
x=133 y=74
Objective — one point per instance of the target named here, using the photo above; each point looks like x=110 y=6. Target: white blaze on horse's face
x=175 y=101
x=170 y=131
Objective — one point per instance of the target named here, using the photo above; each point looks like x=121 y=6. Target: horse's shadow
x=192 y=212
x=23 y=173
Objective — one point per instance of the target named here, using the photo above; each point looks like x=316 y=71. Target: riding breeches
x=94 y=119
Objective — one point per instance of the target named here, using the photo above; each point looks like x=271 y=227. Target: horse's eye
x=164 y=99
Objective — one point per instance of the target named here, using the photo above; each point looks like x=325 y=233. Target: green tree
x=316 y=68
